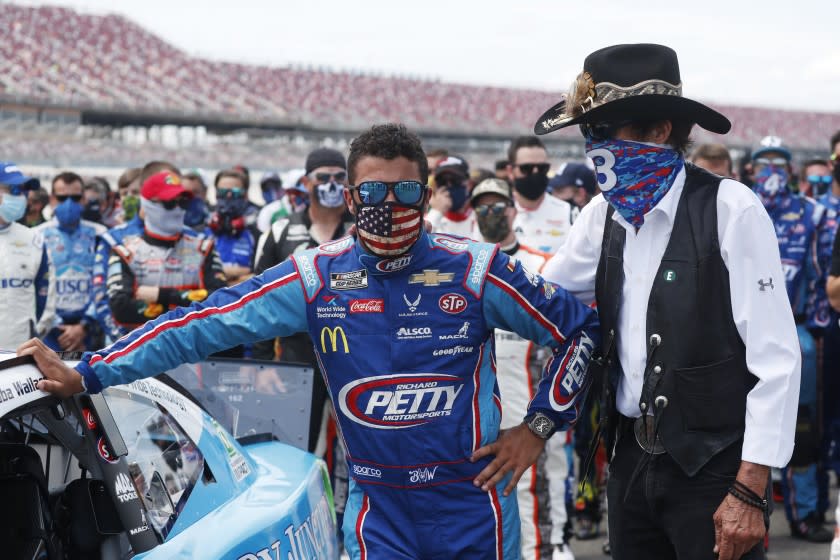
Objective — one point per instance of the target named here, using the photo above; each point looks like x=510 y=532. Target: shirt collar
x=667 y=206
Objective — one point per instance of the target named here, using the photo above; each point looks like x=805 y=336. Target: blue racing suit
x=72 y=254
x=801 y=228
x=831 y=360
x=107 y=241
x=406 y=348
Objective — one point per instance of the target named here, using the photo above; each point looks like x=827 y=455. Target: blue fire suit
x=801 y=228
x=406 y=348
x=107 y=241
x=831 y=361
x=72 y=254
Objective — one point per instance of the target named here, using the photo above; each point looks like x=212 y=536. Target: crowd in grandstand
x=109 y=63
x=110 y=257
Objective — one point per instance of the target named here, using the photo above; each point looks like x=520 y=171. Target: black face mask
x=531 y=187
x=836 y=171
x=493 y=228
x=92 y=211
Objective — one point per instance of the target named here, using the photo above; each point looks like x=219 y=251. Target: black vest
x=696 y=380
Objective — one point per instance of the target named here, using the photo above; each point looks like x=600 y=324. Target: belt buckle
x=644 y=432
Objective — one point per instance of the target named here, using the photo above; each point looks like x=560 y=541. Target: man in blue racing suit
x=402 y=322
x=71 y=243
x=801 y=228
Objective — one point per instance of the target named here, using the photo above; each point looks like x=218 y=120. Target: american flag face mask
x=388 y=229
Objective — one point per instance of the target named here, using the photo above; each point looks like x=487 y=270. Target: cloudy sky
x=773 y=53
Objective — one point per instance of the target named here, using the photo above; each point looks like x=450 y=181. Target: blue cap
x=11 y=175
x=771 y=144
x=576 y=175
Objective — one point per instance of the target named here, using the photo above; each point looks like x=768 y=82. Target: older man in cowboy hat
x=701 y=362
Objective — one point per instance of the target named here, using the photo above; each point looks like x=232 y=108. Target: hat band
x=607 y=92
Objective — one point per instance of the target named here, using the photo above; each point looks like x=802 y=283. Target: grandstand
x=70 y=84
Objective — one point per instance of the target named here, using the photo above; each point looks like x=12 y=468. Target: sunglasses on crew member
x=230 y=193
x=824 y=179
x=406 y=192
x=182 y=202
x=529 y=168
x=778 y=161
x=73 y=197
x=338 y=177
x=598 y=132
x=497 y=209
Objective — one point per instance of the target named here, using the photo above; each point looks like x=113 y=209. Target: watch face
x=542 y=425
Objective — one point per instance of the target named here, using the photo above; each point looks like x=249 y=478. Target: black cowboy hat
x=624 y=82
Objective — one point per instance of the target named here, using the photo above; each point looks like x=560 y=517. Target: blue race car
x=145 y=471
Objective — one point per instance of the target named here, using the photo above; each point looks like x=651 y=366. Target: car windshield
x=253 y=399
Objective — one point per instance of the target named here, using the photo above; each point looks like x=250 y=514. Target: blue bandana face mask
x=771 y=183
x=634 y=176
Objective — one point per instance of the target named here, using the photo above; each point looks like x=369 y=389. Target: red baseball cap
x=164 y=186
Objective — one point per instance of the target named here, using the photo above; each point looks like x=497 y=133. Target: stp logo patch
x=104 y=452
x=399 y=401
x=452 y=303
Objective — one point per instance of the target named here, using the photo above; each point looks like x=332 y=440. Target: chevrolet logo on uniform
x=431 y=277
x=333 y=334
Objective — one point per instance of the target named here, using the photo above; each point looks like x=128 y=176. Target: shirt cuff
x=90 y=381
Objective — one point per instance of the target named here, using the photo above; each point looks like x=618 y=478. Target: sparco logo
x=124 y=489
x=366 y=305
x=392 y=402
x=480 y=266
x=310 y=278
x=393 y=265
x=452 y=303
x=367 y=471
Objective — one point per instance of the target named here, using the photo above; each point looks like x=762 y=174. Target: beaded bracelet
x=760 y=504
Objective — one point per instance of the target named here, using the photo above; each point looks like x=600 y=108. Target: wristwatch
x=540 y=425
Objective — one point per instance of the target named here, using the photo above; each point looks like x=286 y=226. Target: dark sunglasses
x=73 y=197
x=230 y=193
x=182 y=202
x=497 y=209
x=824 y=179
x=338 y=177
x=406 y=192
x=598 y=132
x=529 y=168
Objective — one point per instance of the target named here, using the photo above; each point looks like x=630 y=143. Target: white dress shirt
x=763 y=317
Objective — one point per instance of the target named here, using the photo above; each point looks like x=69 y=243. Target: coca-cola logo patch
x=399 y=401
x=367 y=305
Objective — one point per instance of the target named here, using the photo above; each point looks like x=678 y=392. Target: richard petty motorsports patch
x=348 y=280
x=398 y=401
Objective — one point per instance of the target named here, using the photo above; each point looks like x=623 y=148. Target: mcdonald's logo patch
x=330 y=338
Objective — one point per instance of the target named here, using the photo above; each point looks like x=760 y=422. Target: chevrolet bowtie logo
x=431 y=277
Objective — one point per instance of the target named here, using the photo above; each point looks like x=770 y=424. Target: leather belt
x=644 y=434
